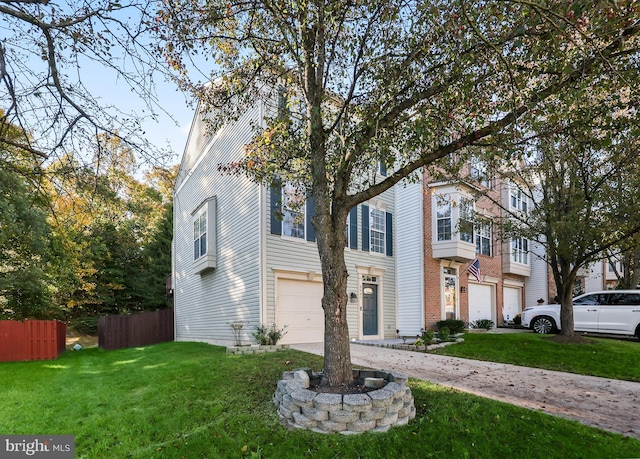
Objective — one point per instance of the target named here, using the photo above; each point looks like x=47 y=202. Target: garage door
x=298 y=306
x=480 y=302
x=512 y=303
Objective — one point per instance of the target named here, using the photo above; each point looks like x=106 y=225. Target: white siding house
x=236 y=261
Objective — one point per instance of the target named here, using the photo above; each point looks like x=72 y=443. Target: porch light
x=353 y=298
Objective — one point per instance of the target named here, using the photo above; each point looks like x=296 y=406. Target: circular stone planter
x=377 y=410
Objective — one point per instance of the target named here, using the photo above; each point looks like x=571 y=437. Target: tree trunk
x=566 y=310
x=337 y=355
x=565 y=279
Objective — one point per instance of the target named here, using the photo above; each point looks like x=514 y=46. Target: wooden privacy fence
x=117 y=332
x=31 y=340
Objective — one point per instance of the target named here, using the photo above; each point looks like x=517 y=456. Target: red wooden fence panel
x=117 y=332
x=31 y=340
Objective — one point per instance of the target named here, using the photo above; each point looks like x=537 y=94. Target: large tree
x=399 y=82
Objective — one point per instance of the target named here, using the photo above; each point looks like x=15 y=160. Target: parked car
x=611 y=311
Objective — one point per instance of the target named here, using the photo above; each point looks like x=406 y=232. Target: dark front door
x=370 y=309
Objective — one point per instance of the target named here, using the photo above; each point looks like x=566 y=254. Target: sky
x=29 y=68
x=174 y=116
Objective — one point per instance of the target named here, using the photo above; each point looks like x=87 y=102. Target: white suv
x=610 y=311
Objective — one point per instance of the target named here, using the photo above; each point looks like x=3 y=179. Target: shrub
x=428 y=335
x=237 y=330
x=444 y=333
x=268 y=336
x=487 y=324
x=455 y=326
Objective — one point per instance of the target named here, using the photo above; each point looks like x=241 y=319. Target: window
x=519 y=200
x=377 y=231
x=479 y=171
x=204 y=236
x=443 y=217
x=596 y=299
x=200 y=236
x=348 y=230
x=624 y=299
x=466 y=220
x=483 y=238
x=293 y=212
x=382 y=168
x=520 y=251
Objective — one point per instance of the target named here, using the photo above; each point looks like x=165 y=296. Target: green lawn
x=191 y=400
x=608 y=358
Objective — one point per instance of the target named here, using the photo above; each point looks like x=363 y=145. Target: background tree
x=624 y=258
x=55 y=58
x=625 y=263
x=582 y=179
x=106 y=221
x=28 y=249
x=402 y=83
x=157 y=258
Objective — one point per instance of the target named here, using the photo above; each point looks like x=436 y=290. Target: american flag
x=474 y=268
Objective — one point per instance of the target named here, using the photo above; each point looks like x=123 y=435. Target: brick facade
x=491 y=266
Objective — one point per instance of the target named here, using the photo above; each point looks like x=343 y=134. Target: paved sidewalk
x=607 y=404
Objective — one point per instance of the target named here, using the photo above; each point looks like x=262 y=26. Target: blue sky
x=174 y=116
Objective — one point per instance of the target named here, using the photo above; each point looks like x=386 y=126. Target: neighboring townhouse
x=244 y=254
x=600 y=275
x=445 y=236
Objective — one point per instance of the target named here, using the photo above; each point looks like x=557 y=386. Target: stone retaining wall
x=256 y=349
x=377 y=410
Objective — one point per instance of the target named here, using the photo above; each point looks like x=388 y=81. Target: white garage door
x=299 y=306
x=480 y=302
x=512 y=302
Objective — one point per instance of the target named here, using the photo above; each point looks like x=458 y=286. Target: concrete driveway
x=607 y=404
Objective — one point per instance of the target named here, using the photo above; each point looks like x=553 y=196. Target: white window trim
x=521 y=200
x=301 y=212
x=479 y=237
x=479 y=171
x=372 y=230
x=518 y=253
x=439 y=200
x=464 y=201
x=207 y=261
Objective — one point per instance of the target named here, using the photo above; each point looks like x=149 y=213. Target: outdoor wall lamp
x=353 y=298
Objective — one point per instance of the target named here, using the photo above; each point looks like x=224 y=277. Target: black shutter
x=389 y=235
x=365 y=228
x=353 y=228
x=276 y=209
x=311 y=231
x=383 y=169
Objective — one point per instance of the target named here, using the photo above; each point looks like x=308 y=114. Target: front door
x=450 y=292
x=369 y=309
